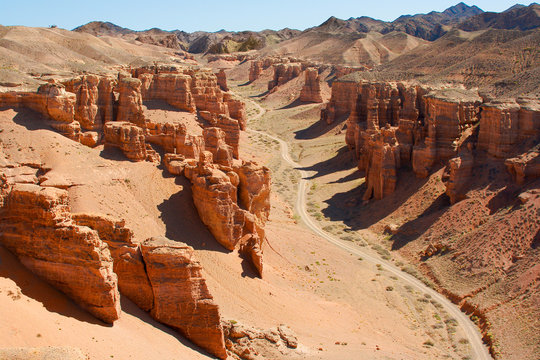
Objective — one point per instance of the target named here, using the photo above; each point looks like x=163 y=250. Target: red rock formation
x=182 y=299
x=255 y=70
x=311 y=92
x=207 y=94
x=457 y=176
x=215 y=198
x=231 y=127
x=95 y=100
x=37 y=226
x=380 y=159
x=128 y=263
x=130 y=106
x=234 y=223
x=173 y=88
x=237 y=110
x=284 y=73
x=254 y=189
x=222 y=80
x=525 y=166
x=127 y=137
x=342 y=101
x=173 y=138
x=449 y=113
x=214 y=141
x=52 y=101
x=506 y=125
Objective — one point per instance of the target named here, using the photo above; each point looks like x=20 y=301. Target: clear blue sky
x=213 y=15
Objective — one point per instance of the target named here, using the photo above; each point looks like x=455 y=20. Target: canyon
x=361 y=188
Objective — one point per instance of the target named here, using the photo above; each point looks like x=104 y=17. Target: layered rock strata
x=128 y=262
x=390 y=125
x=283 y=73
x=37 y=226
x=181 y=297
x=235 y=223
x=222 y=80
x=127 y=137
x=94 y=105
x=311 y=92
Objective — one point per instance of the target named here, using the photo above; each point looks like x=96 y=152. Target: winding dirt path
x=479 y=350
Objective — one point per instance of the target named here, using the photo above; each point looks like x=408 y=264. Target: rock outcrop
x=222 y=80
x=235 y=223
x=181 y=297
x=449 y=113
x=390 y=125
x=128 y=263
x=37 y=226
x=127 y=137
x=457 y=176
x=525 y=166
x=250 y=343
x=130 y=106
x=255 y=70
x=283 y=73
x=505 y=126
x=94 y=105
x=311 y=92
x=174 y=88
x=52 y=101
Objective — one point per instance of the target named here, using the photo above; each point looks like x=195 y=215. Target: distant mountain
x=518 y=17
x=425 y=26
x=100 y=28
x=349 y=33
x=197 y=42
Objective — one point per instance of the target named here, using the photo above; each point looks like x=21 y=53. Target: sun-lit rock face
x=173 y=88
x=181 y=297
x=37 y=226
x=283 y=73
x=449 y=113
x=506 y=125
x=130 y=106
x=222 y=80
x=128 y=263
x=127 y=137
x=311 y=91
x=233 y=202
x=94 y=105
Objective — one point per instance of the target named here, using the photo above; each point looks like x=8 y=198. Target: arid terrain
x=358 y=190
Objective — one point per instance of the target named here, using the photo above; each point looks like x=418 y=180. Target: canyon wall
x=393 y=125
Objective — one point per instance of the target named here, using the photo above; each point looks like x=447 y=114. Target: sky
x=214 y=15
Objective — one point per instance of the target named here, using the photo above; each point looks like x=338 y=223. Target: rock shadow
x=113 y=153
x=30 y=119
x=413 y=229
x=130 y=308
x=182 y=222
x=248 y=270
x=349 y=207
x=34 y=287
x=295 y=103
x=343 y=160
x=318 y=129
